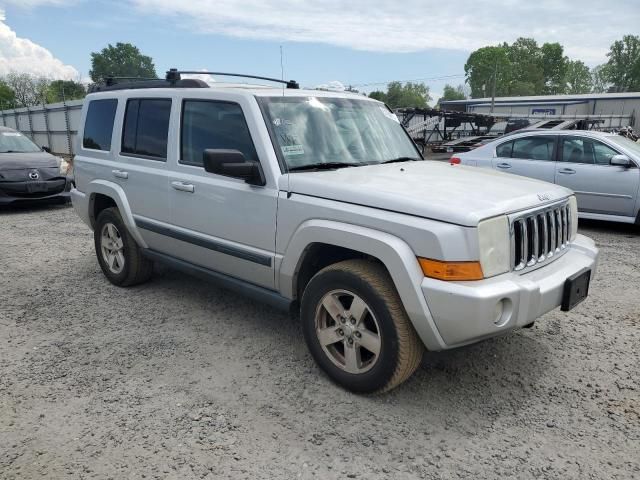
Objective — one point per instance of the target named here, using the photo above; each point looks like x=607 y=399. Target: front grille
x=539 y=236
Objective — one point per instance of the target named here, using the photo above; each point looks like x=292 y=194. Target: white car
x=601 y=168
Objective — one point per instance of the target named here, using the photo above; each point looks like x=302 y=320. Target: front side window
x=312 y=131
x=213 y=125
x=146 y=127
x=98 y=126
x=15 y=142
x=586 y=150
x=534 y=148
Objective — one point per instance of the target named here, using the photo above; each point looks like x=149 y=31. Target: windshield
x=15 y=142
x=309 y=131
x=633 y=147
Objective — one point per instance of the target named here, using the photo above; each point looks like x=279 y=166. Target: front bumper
x=465 y=312
x=19 y=192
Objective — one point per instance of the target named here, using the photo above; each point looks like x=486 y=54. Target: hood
x=450 y=193
x=20 y=161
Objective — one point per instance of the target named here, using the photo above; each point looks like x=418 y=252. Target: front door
x=584 y=167
x=219 y=222
x=531 y=156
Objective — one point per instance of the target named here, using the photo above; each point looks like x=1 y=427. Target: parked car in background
x=28 y=173
x=601 y=168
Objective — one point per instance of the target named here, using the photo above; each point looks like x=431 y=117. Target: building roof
x=547 y=98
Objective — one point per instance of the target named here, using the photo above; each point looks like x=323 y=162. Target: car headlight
x=64 y=166
x=495 y=247
x=573 y=210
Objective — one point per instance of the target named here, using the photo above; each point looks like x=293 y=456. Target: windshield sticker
x=11 y=134
x=389 y=114
x=290 y=150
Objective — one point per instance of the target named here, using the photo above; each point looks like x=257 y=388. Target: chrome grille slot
x=539 y=236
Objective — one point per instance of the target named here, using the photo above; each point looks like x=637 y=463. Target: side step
x=261 y=294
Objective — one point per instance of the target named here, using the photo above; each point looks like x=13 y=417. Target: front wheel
x=357 y=329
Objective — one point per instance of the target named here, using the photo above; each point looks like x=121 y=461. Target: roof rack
x=113 y=83
x=174 y=75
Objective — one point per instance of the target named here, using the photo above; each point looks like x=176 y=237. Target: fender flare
x=115 y=192
x=395 y=254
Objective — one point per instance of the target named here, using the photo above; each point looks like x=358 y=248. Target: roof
x=547 y=98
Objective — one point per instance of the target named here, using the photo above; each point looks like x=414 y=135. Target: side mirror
x=621 y=161
x=232 y=163
x=46 y=149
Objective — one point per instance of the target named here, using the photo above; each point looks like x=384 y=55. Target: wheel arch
x=103 y=194
x=345 y=241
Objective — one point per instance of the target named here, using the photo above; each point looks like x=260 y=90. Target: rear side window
x=216 y=125
x=98 y=126
x=504 y=150
x=533 y=148
x=146 y=128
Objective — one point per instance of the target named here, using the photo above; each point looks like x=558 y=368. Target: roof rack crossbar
x=173 y=75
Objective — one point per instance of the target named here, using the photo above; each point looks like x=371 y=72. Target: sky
x=363 y=43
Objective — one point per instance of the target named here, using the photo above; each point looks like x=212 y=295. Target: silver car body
x=256 y=237
x=603 y=191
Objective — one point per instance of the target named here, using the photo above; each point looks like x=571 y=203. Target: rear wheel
x=356 y=328
x=118 y=253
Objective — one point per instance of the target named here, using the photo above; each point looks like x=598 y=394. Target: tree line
x=527 y=68
x=19 y=90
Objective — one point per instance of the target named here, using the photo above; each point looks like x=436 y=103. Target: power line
x=442 y=77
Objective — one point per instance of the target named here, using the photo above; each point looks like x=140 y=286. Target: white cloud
x=24 y=56
x=411 y=25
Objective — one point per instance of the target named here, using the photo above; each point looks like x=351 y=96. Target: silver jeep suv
x=319 y=202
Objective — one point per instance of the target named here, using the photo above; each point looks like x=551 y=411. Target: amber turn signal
x=452 y=271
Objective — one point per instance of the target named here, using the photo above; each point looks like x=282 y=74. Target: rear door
x=584 y=167
x=141 y=167
x=530 y=156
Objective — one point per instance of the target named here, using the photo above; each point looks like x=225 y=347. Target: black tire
x=401 y=350
x=136 y=268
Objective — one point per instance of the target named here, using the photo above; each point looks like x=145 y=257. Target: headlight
x=64 y=166
x=495 y=247
x=573 y=207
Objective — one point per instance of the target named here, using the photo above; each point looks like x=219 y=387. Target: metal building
x=618 y=109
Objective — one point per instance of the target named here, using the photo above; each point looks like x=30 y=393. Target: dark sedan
x=27 y=173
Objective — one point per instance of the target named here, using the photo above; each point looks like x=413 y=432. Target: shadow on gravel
x=609 y=227
x=32 y=207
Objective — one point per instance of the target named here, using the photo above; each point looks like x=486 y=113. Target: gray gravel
x=179 y=379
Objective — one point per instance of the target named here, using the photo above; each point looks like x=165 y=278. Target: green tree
x=59 y=90
x=481 y=67
x=399 y=95
x=578 y=77
x=407 y=95
x=554 y=68
x=28 y=90
x=451 y=93
x=623 y=68
x=527 y=67
x=121 y=60
x=378 y=95
x=599 y=79
x=7 y=97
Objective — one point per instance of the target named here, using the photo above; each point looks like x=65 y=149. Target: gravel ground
x=179 y=379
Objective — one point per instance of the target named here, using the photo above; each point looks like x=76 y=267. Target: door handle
x=183 y=187
x=567 y=171
x=503 y=165
x=120 y=174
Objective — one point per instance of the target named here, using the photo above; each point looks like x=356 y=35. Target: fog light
x=502 y=312
x=497 y=314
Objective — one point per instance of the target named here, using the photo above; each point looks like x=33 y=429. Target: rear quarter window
x=98 y=126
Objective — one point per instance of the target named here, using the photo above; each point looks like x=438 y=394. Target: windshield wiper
x=401 y=159
x=324 y=166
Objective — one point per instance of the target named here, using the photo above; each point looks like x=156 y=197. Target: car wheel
x=357 y=329
x=119 y=255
